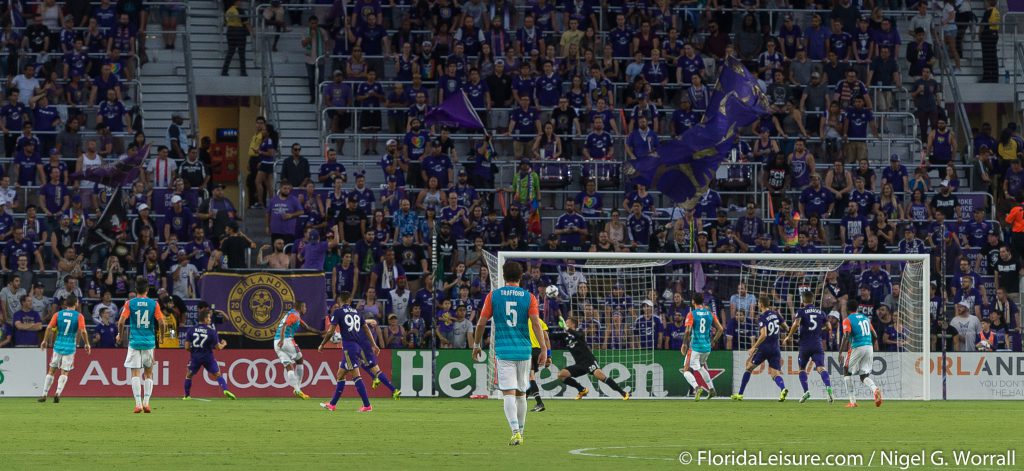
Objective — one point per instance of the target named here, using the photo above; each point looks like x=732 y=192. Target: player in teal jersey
x=698 y=337
x=860 y=339
x=143 y=323
x=65 y=327
x=288 y=351
x=516 y=310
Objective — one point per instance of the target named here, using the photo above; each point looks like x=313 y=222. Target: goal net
x=889 y=292
x=615 y=303
x=615 y=296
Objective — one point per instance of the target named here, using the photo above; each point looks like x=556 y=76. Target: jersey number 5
x=511 y=319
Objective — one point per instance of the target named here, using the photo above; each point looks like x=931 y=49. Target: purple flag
x=255 y=302
x=123 y=172
x=456 y=111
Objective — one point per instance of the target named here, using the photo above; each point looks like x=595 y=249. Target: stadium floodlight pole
x=502 y=256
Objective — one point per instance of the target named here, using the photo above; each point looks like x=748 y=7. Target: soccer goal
x=615 y=296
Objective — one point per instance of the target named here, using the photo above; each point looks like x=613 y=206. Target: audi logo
x=260 y=373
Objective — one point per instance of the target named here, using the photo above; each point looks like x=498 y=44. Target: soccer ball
x=336 y=338
x=551 y=291
x=984 y=346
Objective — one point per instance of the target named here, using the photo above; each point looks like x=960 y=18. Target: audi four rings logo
x=260 y=373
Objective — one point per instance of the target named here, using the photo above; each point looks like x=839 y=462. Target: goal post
x=619 y=285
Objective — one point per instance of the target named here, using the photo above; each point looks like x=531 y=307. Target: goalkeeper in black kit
x=584 y=358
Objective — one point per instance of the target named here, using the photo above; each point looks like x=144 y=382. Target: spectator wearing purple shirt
x=437 y=165
x=113 y=113
x=46 y=119
x=54 y=198
x=816 y=39
x=548 y=87
x=283 y=211
x=199 y=248
x=887 y=37
x=27 y=324
x=690 y=63
x=20 y=246
x=312 y=250
x=179 y=220
x=571 y=227
x=331 y=169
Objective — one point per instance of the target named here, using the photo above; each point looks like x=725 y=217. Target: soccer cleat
x=805 y=397
x=147 y=409
x=56 y=399
x=783 y=394
x=737 y=397
x=582 y=393
x=300 y=394
x=230 y=395
x=366 y=409
x=625 y=397
x=697 y=393
x=878 y=398
x=712 y=393
x=522 y=439
x=186 y=398
x=328 y=406
x=850 y=405
x=828 y=391
x=517 y=439
x=537 y=408
x=137 y=410
x=375 y=383
x=396 y=394
x=42 y=399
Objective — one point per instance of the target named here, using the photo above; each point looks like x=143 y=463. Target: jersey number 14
x=142 y=318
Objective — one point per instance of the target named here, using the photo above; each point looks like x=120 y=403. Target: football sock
x=534 y=391
x=706 y=377
x=611 y=383
x=223 y=383
x=826 y=379
x=849 y=387
x=47 y=382
x=690 y=379
x=289 y=376
x=572 y=382
x=147 y=386
x=61 y=381
x=361 y=389
x=137 y=390
x=743 y=384
x=521 y=412
x=300 y=374
x=337 y=392
x=870 y=383
x=188 y=386
x=803 y=380
x=383 y=378
x=511 y=412
x=778 y=381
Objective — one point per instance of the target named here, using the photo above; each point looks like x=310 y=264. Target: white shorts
x=64 y=362
x=513 y=375
x=288 y=353
x=139 y=358
x=860 y=360
x=697 y=360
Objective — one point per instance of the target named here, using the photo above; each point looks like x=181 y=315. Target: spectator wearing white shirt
x=967 y=327
x=184 y=274
x=161 y=171
x=742 y=301
x=26 y=83
x=400 y=297
x=105 y=303
x=570 y=278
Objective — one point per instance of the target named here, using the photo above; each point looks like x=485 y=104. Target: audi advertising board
x=250 y=373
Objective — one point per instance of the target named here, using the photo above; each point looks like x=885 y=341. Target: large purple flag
x=456 y=111
x=255 y=302
x=682 y=169
x=118 y=174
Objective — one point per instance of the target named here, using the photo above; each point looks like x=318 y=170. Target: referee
x=535 y=366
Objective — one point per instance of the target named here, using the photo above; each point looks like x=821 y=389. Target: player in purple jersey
x=812 y=322
x=351 y=330
x=201 y=340
x=766 y=348
x=371 y=367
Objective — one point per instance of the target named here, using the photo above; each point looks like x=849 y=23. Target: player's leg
x=213 y=368
x=571 y=373
x=866 y=366
x=848 y=367
x=147 y=382
x=339 y=388
x=523 y=379
x=819 y=363
x=357 y=381
x=67 y=363
x=774 y=369
x=51 y=370
x=567 y=379
x=534 y=389
x=133 y=361
x=604 y=378
x=704 y=375
x=752 y=363
x=801 y=363
x=188 y=383
x=688 y=373
x=507 y=383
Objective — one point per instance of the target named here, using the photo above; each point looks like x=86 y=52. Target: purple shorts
x=355 y=356
x=812 y=354
x=203 y=360
x=773 y=357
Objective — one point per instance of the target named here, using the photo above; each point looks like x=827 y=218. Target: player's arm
x=125 y=312
x=50 y=329
x=327 y=336
x=162 y=322
x=307 y=327
x=547 y=341
x=83 y=333
x=792 y=329
x=874 y=338
x=719 y=330
x=687 y=334
x=845 y=344
x=481 y=324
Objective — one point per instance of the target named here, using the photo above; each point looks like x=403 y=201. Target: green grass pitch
x=81 y=433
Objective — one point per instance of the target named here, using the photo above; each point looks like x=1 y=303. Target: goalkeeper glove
x=561 y=322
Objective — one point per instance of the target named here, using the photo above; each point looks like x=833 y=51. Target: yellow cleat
x=625 y=397
x=375 y=383
x=737 y=397
x=516 y=440
x=397 y=394
x=300 y=394
x=697 y=394
x=582 y=393
x=230 y=395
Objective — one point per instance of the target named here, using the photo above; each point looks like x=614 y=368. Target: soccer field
x=82 y=433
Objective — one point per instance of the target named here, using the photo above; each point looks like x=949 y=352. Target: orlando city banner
x=255 y=301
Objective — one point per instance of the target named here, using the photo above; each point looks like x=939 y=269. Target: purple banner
x=255 y=302
x=1015 y=5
